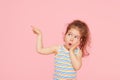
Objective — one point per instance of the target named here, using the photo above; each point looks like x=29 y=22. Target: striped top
x=63 y=65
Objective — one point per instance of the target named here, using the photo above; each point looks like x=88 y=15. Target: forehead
x=74 y=31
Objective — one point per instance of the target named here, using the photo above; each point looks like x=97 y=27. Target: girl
x=68 y=57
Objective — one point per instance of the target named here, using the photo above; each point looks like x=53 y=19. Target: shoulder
x=56 y=48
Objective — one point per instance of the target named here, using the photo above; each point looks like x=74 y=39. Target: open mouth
x=69 y=44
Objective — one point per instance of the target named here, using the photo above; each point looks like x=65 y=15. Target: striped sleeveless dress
x=63 y=65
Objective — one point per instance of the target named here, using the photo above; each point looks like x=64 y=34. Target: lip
x=69 y=44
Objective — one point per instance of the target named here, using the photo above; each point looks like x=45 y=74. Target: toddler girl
x=68 y=57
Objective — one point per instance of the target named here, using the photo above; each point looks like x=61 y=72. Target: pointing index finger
x=32 y=26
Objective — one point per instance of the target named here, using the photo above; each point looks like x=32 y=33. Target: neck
x=66 y=47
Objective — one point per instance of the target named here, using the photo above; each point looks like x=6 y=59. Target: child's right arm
x=39 y=45
x=42 y=50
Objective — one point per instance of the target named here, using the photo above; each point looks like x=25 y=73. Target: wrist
x=38 y=34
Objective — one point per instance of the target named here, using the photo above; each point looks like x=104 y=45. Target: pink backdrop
x=18 y=57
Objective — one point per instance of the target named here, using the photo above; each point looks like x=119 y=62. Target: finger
x=74 y=46
x=34 y=32
x=78 y=43
x=32 y=27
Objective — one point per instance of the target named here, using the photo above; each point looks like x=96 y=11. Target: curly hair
x=85 y=35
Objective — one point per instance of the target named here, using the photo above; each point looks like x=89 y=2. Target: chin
x=69 y=47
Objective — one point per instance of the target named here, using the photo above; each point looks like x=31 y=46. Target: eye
x=69 y=34
x=76 y=37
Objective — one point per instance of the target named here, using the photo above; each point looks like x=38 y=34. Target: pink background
x=18 y=57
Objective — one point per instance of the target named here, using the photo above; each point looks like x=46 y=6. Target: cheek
x=66 y=38
x=75 y=41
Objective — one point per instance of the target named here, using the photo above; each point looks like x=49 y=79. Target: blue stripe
x=63 y=60
x=62 y=55
x=63 y=65
x=63 y=76
x=65 y=72
x=63 y=68
x=68 y=76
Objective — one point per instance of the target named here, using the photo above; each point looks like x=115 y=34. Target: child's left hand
x=75 y=46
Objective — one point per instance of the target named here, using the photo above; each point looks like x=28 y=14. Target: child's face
x=72 y=37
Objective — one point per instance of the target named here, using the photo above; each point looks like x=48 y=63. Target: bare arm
x=76 y=60
x=39 y=45
x=42 y=50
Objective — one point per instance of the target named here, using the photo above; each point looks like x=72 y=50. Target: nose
x=71 y=39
